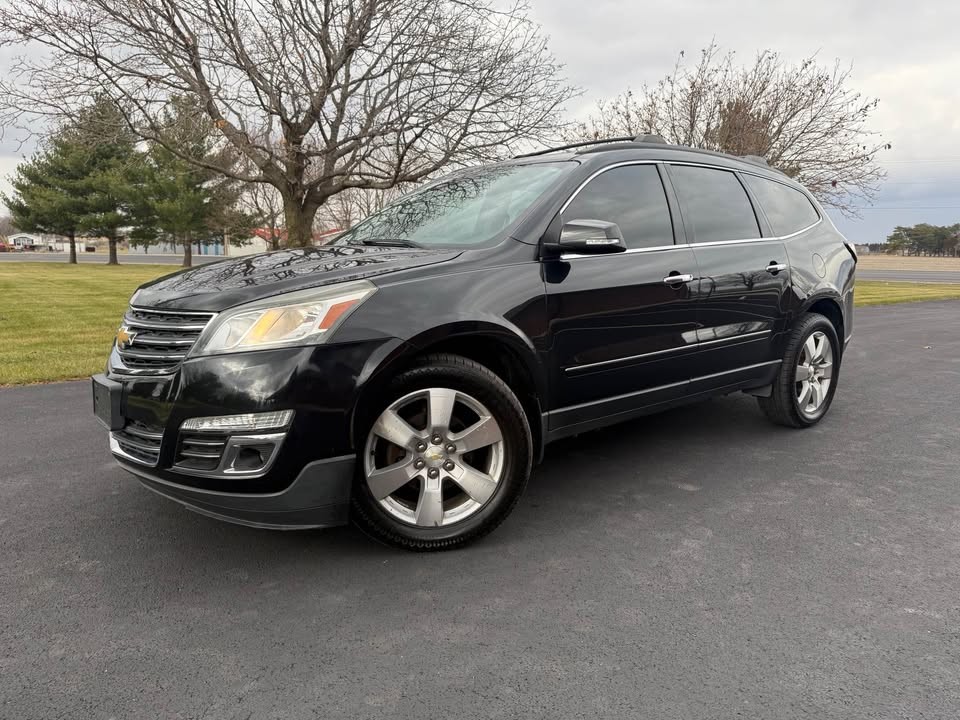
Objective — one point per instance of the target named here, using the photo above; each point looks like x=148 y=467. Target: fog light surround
x=250 y=455
x=239 y=451
x=246 y=422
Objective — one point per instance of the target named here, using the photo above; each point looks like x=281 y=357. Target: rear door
x=744 y=277
x=622 y=333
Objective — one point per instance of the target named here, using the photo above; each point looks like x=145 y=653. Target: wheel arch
x=831 y=307
x=501 y=349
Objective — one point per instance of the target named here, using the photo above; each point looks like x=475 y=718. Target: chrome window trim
x=660 y=248
x=772 y=238
x=745 y=171
x=802 y=190
x=693 y=346
x=802 y=230
x=601 y=171
x=763 y=177
x=712 y=243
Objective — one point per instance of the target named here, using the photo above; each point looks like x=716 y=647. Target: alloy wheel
x=814 y=373
x=434 y=457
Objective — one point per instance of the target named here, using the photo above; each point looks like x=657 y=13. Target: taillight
x=852 y=249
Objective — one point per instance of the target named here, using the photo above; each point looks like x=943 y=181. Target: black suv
x=409 y=375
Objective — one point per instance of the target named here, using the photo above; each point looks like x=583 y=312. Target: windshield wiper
x=391 y=242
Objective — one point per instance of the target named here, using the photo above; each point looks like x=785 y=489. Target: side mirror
x=591 y=237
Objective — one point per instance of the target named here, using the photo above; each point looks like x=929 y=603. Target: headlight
x=299 y=318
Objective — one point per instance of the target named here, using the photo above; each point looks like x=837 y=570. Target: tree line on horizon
x=924 y=239
x=328 y=108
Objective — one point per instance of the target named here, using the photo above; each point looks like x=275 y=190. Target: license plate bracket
x=107 y=398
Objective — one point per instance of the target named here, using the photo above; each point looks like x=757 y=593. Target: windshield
x=470 y=208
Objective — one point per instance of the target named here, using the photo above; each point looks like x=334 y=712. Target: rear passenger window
x=714 y=204
x=787 y=209
x=633 y=197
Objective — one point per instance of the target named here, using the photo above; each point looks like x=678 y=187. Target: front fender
x=392 y=358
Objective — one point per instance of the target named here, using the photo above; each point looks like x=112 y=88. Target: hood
x=223 y=284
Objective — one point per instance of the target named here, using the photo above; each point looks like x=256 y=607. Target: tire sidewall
x=509 y=414
x=816 y=323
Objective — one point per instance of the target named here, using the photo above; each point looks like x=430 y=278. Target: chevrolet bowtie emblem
x=124 y=337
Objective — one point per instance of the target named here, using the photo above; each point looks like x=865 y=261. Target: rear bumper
x=318 y=497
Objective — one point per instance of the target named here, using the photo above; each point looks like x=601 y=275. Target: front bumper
x=309 y=476
x=318 y=497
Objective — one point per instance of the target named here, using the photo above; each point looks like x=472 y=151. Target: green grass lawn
x=885 y=293
x=57 y=322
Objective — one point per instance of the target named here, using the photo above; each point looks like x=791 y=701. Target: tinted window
x=788 y=210
x=715 y=205
x=631 y=196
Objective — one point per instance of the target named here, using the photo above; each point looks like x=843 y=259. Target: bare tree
x=265 y=205
x=7 y=228
x=320 y=96
x=351 y=206
x=803 y=119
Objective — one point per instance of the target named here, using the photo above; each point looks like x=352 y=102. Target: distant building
x=326 y=237
x=862 y=249
x=39 y=241
x=163 y=247
x=258 y=242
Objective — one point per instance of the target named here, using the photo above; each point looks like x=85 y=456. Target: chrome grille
x=160 y=339
x=139 y=442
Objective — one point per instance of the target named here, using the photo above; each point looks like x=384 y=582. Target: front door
x=622 y=333
x=744 y=278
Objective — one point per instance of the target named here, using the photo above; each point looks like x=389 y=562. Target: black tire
x=782 y=406
x=458 y=373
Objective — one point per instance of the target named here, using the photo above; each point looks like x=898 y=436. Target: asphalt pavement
x=698 y=564
x=924 y=276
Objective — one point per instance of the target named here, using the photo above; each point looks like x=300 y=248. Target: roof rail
x=587 y=143
x=762 y=162
x=755 y=159
x=571 y=146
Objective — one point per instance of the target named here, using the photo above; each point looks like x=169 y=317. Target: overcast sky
x=904 y=53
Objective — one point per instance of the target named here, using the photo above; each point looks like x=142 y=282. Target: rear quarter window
x=787 y=209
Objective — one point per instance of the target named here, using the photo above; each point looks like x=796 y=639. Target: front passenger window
x=633 y=197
